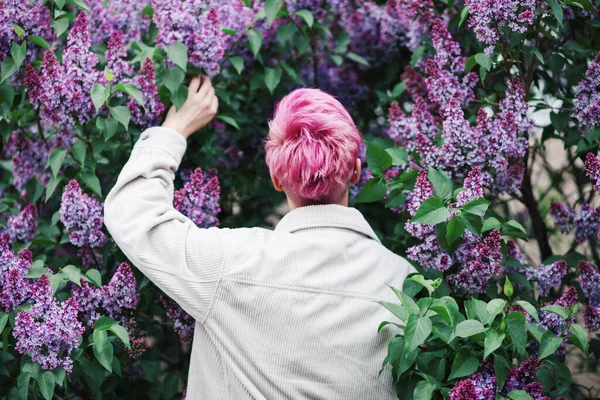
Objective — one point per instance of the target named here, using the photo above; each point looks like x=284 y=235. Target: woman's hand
x=197 y=111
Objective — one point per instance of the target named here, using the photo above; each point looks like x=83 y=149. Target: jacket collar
x=326 y=216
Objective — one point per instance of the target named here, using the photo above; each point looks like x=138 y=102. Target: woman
x=285 y=314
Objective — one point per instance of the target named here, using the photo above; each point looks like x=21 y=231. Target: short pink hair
x=312 y=145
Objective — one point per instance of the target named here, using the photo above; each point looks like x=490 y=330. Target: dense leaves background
x=481 y=120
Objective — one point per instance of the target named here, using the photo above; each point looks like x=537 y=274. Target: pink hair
x=312 y=145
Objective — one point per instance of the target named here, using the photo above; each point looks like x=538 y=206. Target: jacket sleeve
x=181 y=259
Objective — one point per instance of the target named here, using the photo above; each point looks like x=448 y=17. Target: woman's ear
x=276 y=183
x=356 y=173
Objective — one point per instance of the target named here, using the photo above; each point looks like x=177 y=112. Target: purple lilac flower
x=48 y=332
x=22 y=227
x=464 y=390
x=124 y=16
x=199 y=199
x=489 y=17
x=415 y=18
x=585 y=222
x=234 y=15
x=341 y=81
x=479 y=386
x=8 y=261
x=548 y=276
x=115 y=57
x=31 y=16
x=522 y=377
x=592 y=169
x=513 y=251
x=446 y=70
x=472 y=188
x=429 y=255
x=29 y=157
x=183 y=22
x=15 y=290
x=477 y=263
x=554 y=322
x=405 y=129
x=183 y=323
x=90 y=257
x=510 y=180
x=83 y=215
x=591 y=318
x=587 y=99
x=563 y=216
x=153 y=108
x=67 y=86
x=589 y=279
x=89 y=300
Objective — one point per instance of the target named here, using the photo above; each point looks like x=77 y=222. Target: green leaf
x=18 y=30
x=100 y=338
x=121 y=333
x=424 y=390
x=557 y=10
x=416 y=55
x=473 y=223
x=464 y=13
x=518 y=334
x=397 y=309
x=40 y=41
x=490 y=223
x=484 y=61
x=72 y=273
x=455 y=228
x=271 y=9
x=508 y=287
x=80 y=4
x=78 y=151
x=306 y=16
x=104 y=323
x=418 y=329
x=104 y=355
x=399 y=155
x=468 y=328
x=94 y=277
x=133 y=91
x=59 y=375
x=378 y=159
x=99 y=95
x=537 y=53
x=46 y=384
x=476 y=206
x=285 y=32
x=519 y=395
x=529 y=308
x=55 y=160
x=272 y=78
x=462 y=367
x=18 y=53
x=501 y=369
x=229 y=31
x=356 y=58
x=7 y=69
x=396 y=198
x=441 y=183
x=91 y=180
x=577 y=335
x=170 y=385
x=172 y=78
x=420 y=279
x=535 y=331
x=431 y=212
x=238 y=63
x=3 y=320
x=23 y=385
x=558 y=310
x=110 y=128
x=494 y=307
x=493 y=340
x=374 y=189
x=549 y=344
x=60 y=26
x=255 y=41
x=178 y=53
x=121 y=114
x=409 y=303
x=228 y=120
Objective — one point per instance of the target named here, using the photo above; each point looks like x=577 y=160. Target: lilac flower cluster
x=115 y=57
x=199 y=199
x=589 y=279
x=82 y=214
x=405 y=129
x=592 y=169
x=479 y=386
x=415 y=17
x=234 y=15
x=554 y=322
x=115 y=300
x=153 y=108
x=472 y=188
x=29 y=157
x=62 y=92
x=22 y=227
x=587 y=99
x=182 y=322
x=585 y=222
x=548 y=276
x=14 y=288
x=31 y=16
x=184 y=22
x=489 y=18
x=48 y=332
x=522 y=377
x=124 y=16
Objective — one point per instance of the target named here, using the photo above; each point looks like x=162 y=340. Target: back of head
x=312 y=146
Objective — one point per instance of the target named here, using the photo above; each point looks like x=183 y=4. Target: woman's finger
x=206 y=85
x=214 y=106
x=194 y=85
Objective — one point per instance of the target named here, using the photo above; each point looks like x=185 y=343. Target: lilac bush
x=460 y=104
